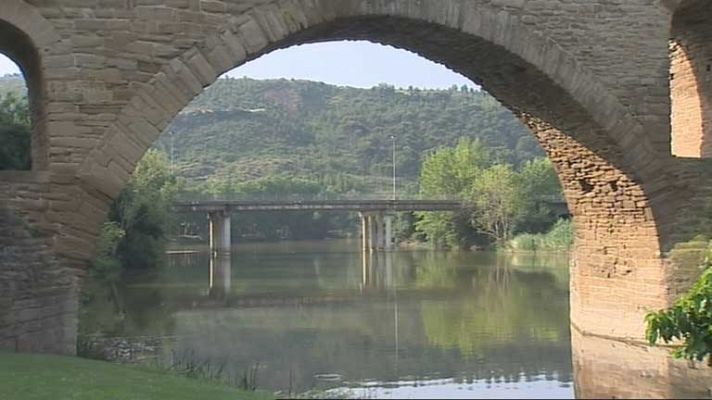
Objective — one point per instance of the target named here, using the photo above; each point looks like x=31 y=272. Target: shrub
x=688 y=320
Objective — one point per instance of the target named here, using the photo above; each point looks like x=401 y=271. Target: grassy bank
x=559 y=237
x=34 y=377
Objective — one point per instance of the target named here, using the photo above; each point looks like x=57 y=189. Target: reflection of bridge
x=376 y=215
x=378 y=275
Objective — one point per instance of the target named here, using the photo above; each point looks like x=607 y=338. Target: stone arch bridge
x=616 y=91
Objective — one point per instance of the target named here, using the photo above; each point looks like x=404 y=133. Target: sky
x=355 y=63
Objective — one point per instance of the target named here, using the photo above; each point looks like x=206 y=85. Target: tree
x=538 y=184
x=14 y=132
x=498 y=202
x=143 y=211
x=450 y=173
x=688 y=320
x=503 y=200
x=106 y=267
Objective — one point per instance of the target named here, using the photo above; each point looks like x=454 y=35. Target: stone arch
x=691 y=80
x=24 y=37
x=31 y=276
x=611 y=174
x=284 y=23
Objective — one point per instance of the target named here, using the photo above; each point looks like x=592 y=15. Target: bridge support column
x=220 y=275
x=220 y=240
x=388 y=245
x=380 y=234
x=372 y=232
x=365 y=231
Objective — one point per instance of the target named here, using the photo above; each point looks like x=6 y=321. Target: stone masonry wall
x=591 y=78
x=38 y=302
x=691 y=81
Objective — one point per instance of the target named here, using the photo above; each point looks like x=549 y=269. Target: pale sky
x=7 y=66
x=359 y=64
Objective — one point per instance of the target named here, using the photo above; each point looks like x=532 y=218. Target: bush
x=689 y=320
x=559 y=237
x=525 y=242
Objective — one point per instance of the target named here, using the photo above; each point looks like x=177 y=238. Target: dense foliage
x=689 y=320
x=504 y=200
x=139 y=220
x=14 y=132
x=559 y=237
x=292 y=140
x=282 y=139
x=242 y=129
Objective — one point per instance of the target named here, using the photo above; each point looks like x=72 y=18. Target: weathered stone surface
x=590 y=78
x=691 y=81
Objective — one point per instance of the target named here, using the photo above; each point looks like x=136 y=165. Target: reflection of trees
x=504 y=306
x=142 y=311
x=555 y=263
x=453 y=315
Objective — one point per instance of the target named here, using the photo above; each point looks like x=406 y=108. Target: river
x=322 y=318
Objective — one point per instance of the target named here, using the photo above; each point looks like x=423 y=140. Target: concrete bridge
x=376 y=216
x=618 y=93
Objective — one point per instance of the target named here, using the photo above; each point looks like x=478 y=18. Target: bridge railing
x=289 y=197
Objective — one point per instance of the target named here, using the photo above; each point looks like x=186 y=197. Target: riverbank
x=40 y=377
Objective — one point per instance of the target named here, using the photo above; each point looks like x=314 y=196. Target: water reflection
x=400 y=324
x=612 y=369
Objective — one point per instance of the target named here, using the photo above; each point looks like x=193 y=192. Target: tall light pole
x=393 y=139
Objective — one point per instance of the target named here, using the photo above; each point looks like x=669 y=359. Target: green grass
x=34 y=376
x=559 y=237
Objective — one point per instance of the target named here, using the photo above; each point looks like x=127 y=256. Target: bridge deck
x=317 y=205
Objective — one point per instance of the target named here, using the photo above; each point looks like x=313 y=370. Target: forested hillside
x=242 y=129
x=280 y=139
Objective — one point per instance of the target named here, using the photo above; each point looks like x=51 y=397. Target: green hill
x=243 y=129
x=240 y=130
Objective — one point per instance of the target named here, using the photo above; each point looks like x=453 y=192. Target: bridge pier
x=380 y=234
x=220 y=275
x=372 y=232
x=220 y=240
x=365 y=231
x=388 y=245
x=376 y=231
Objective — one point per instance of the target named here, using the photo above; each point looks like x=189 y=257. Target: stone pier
x=220 y=240
x=637 y=184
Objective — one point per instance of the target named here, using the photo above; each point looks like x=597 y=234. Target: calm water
x=320 y=316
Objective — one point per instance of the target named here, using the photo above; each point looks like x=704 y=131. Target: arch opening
x=691 y=80
x=610 y=173
x=341 y=139
x=603 y=160
x=23 y=104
